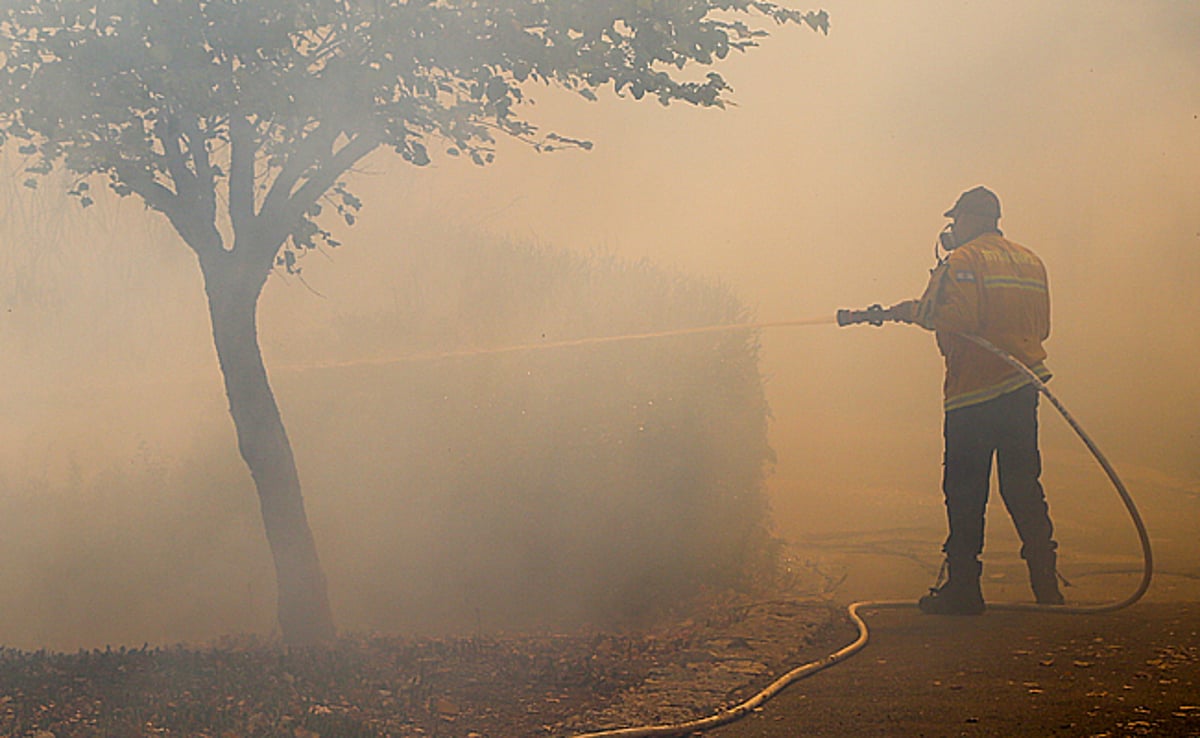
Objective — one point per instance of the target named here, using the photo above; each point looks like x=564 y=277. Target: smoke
x=821 y=189
x=824 y=189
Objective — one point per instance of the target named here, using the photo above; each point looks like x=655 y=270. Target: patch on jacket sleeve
x=964 y=276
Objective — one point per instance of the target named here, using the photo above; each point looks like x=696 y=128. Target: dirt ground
x=364 y=686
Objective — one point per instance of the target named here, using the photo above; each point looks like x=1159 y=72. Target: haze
x=822 y=189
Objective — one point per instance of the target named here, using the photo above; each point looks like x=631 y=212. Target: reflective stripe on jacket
x=997 y=290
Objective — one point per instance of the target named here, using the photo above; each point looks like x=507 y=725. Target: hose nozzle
x=874 y=315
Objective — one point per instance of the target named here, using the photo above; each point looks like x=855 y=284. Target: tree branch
x=241 y=172
x=326 y=176
x=308 y=153
x=283 y=216
x=142 y=183
x=168 y=135
x=200 y=235
x=205 y=173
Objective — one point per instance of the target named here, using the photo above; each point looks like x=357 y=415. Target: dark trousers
x=1007 y=428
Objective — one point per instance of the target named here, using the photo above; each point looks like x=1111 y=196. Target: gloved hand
x=904 y=312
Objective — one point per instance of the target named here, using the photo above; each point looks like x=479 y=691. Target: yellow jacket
x=997 y=290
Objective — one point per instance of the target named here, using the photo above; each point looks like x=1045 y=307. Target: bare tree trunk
x=233 y=286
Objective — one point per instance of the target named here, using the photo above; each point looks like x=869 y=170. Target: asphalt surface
x=1134 y=672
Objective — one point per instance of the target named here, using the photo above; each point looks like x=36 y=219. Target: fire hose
x=876 y=315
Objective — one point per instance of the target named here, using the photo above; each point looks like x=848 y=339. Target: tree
x=238 y=121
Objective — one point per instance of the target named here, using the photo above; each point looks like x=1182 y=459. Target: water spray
x=877 y=315
x=428 y=356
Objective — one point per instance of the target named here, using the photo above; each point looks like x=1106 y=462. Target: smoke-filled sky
x=822 y=188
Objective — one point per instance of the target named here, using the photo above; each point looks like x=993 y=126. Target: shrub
x=594 y=482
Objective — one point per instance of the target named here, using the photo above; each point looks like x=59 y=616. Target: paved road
x=1130 y=673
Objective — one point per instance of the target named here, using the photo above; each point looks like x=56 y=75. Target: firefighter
x=993 y=288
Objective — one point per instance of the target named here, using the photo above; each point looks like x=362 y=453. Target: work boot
x=960 y=595
x=1043 y=577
